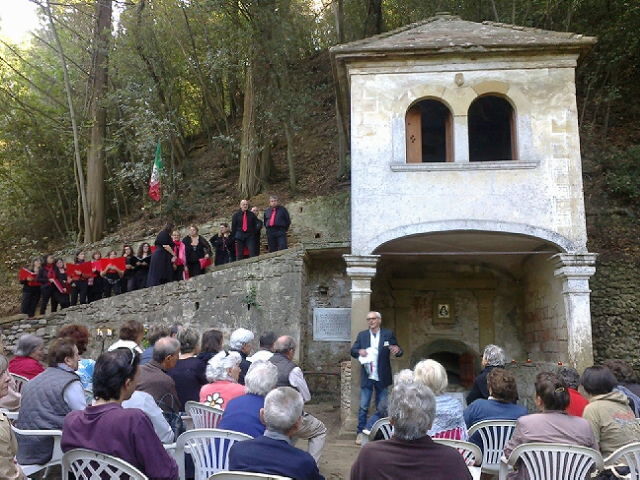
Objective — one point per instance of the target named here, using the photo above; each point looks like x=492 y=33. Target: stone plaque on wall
x=332 y=324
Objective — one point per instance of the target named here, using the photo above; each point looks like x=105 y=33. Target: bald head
x=285 y=345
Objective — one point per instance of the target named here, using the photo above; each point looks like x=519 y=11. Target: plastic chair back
x=203 y=416
x=383 y=426
x=494 y=435
x=88 y=465
x=19 y=380
x=470 y=452
x=56 y=456
x=630 y=456
x=209 y=449
x=553 y=461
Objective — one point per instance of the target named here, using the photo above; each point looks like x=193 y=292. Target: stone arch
x=563 y=243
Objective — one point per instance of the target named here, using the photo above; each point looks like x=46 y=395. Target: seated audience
x=240 y=341
x=627 y=383
x=382 y=410
x=11 y=399
x=449 y=421
x=612 y=420
x=80 y=334
x=47 y=399
x=410 y=453
x=130 y=331
x=210 y=344
x=106 y=427
x=272 y=453
x=222 y=371
x=243 y=413
x=28 y=354
x=267 y=340
x=8 y=443
x=189 y=373
x=153 y=378
x=147 y=404
x=553 y=425
x=577 y=402
x=499 y=406
x=493 y=357
x=155 y=333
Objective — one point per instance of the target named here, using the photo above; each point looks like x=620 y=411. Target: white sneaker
x=359 y=439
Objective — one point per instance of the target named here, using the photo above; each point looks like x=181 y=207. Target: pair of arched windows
x=490 y=125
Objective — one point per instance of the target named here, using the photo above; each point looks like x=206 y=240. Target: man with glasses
x=373 y=348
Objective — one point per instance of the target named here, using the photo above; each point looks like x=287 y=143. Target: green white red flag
x=154 y=181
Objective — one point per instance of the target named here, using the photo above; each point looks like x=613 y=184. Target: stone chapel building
x=467 y=209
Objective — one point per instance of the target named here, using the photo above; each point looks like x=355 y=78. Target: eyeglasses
x=372 y=318
x=133 y=354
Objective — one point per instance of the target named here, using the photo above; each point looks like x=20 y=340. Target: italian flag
x=154 y=181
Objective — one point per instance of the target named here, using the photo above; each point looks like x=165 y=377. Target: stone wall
x=615 y=309
x=270 y=284
x=545 y=328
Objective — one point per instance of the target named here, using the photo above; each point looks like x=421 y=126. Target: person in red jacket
x=576 y=401
x=28 y=354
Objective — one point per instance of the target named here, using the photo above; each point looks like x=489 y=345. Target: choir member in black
x=96 y=284
x=31 y=290
x=127 y=280
x=276 y=222
x=78 y=282
x=161 y=266
x=244 y=226
x=62 y=300
x=196 y=248
x=47 y=275
x=180 y=256
x=141 y=264
x=224 y=245
x=256 y=237
x=112 y=276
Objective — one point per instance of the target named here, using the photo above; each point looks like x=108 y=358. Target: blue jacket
x=384 y=355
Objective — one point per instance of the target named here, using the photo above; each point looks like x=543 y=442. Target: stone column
x=574 y=270
x=361 y=269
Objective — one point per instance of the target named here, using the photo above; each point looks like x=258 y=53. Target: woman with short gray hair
x=189 y=372
x=241 y=341
x=493 y=357
x=222 y=371
x=28 y=354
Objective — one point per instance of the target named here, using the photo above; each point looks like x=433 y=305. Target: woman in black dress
x=141 y=264
x=196 y=247
x=47 y=276
x=31 y=290
x=161 y=266
x=96 y=284
x=78 y=282
x=127 y=281
x=112 y=277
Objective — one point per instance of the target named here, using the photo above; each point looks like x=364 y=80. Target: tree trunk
x=338 y=13
x=72 y=114
x=249 y=182
x=373 y=21
x=96 y=155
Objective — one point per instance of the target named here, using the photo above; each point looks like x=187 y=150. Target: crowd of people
x=135 y=391
x=51 y=281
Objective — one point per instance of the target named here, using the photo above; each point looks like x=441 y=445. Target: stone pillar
x=574 y=270
x=461 y=139
x=361 y=269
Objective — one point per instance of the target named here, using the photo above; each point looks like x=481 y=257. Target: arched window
x=429 y=132
x=491 y=122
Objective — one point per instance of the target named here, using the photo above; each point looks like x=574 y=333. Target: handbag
x=614 y=472
x=172 y=417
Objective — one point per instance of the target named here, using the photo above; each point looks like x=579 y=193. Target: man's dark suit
x=384 y=364
x=244 y=238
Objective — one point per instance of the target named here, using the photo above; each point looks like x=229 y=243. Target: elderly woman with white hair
x=241 y=342
x=449 y=419
x=28 y=354
x=243 y=412
x=222 y=372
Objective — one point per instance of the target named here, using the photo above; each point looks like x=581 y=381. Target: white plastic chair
x=470 y=452
x=245 y=476
x=19 y=381
x=494 y=435
x=383 y=425
x=56 y=456
x=203 y=416
x=209 y=449
x=553 y=461
x=629 y=455
x=88 y=465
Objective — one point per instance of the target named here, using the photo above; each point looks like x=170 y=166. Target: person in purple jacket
x=106 y=427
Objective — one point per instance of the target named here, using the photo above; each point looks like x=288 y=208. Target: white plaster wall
x=541 y=194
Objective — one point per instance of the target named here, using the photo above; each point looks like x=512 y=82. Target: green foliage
x=622 y=173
